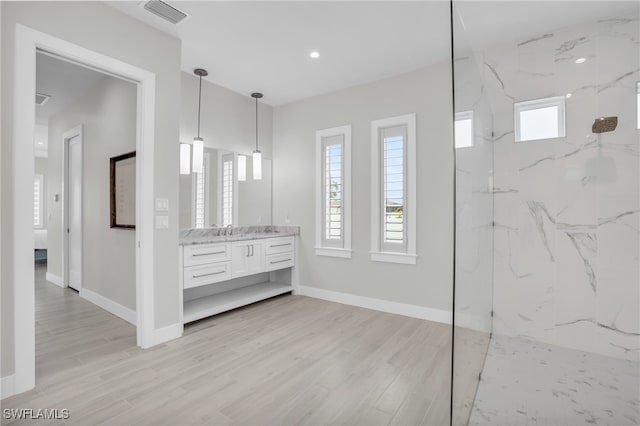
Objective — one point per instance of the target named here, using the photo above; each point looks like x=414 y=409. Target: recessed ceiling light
x=581 y=60
x=568 y=95
x=40 y=143
x=314 y=55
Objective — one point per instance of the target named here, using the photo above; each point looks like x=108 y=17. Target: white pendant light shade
x=198 y=155
x=257 y=165
x=185 y=159
x=242 y=168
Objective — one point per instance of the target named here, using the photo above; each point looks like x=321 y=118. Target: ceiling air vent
x=42 y=99
x=165 y=11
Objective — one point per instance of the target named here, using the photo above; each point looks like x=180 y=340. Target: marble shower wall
x=567 y=213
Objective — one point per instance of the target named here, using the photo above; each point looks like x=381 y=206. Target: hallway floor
x=288 y=360
x=531 y=383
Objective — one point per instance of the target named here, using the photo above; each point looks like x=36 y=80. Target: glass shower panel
x=474 y=224
x=565 y=347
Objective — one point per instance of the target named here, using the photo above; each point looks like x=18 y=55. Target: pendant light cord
x=199 y=103
x=256 y=124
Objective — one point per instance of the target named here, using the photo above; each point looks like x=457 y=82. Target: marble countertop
x=238 y=233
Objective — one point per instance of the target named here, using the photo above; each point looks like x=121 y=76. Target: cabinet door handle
x=273 y=262
x=207 y=254
x=251 y=249
x=207 y=275
x=280 y=245
x=248 y=249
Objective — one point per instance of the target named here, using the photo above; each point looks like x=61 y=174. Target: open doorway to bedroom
x=85 y=268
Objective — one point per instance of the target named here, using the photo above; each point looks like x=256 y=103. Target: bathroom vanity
x=226 y=268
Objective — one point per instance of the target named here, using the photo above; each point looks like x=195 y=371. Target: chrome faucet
x=228 y=230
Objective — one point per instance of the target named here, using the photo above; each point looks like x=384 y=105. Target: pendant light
x=185 y=159
x=198 y=142
x=257 y=155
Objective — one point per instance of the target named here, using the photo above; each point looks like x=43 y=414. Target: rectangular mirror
x=217 y=197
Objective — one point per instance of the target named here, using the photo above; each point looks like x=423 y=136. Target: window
x=393 y=196
x=38 y=189
x=464 y=129
x=227 y=190
x=333 y=186
x=201 y=195
x=540 y=119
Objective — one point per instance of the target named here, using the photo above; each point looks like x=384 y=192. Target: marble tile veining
x=531 y=383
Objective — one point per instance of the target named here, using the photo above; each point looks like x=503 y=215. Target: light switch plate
x=162 y=204
x=162 y=222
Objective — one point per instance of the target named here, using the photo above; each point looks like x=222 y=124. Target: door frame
x=27 y=42
x=66 y=137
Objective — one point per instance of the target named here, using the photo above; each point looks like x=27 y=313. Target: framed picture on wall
x=123 y=190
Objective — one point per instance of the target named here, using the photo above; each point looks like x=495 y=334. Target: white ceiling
x=265 y=46
x=63 y=81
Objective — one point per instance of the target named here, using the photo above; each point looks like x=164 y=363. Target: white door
x=74 y=218
x=239 y=259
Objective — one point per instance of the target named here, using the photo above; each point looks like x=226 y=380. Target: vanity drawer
x=279 y=245
x=280 y=261
x=206 y=253
x=195 y=276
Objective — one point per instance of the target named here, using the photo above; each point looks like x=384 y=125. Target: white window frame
x=409 y=255
x=461 y=116
x=324 y=247
x=222 y=154
x=206 y=168
x=559 y=101
x=40 y=179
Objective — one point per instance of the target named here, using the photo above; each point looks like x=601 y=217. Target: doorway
x=73 y=208
x=27 y=43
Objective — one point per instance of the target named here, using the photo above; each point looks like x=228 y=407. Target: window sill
x=390 y=257
x=334 y=252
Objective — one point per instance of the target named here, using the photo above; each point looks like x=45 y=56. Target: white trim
x=334 y=252
x=376 y=186
x=66 y=137
x=7 y=386
x=55 y=279
x=413 y=311
x=345 y=131
x=109 y=305
x=165 y=334
x=27 y=41
x=393 y=257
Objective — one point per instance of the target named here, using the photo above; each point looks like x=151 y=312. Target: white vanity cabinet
x=224 y=276
x=247 y=258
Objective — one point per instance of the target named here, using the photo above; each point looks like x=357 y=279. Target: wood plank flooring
x=286 y=361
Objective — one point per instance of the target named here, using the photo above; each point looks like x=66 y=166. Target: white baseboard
x=165 y=334
x=54 y=279
x=413 y=311
x=109 y=305
x=7 y=387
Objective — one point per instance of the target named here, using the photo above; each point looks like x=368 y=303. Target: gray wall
x=133 y=43
x=426 y=92
x=108 y=116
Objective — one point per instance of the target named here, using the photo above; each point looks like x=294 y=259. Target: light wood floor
x=289 y=360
